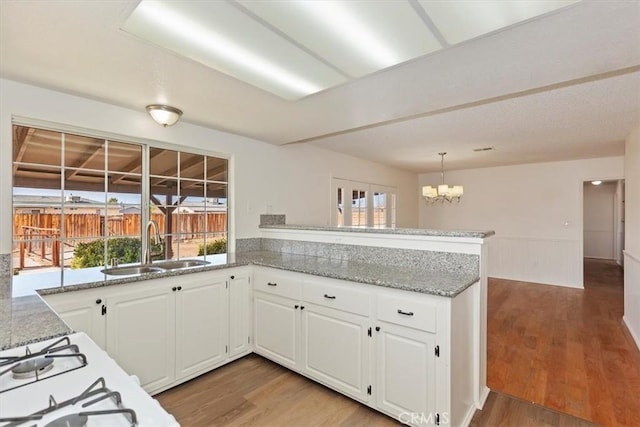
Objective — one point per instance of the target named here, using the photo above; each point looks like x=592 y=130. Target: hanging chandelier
x=442 y=192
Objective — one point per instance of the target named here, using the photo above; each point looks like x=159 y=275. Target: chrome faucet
x=156 y=235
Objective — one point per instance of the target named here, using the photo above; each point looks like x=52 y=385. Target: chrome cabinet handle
x=405 y=313
x=329 y=296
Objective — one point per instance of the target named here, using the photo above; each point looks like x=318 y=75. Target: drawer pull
x=405 y=313
x=329 y=296
x=271 y=284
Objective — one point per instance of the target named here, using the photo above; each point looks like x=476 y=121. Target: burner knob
x=179 y=288
x=233 y=277
x=99 y=301
x=174 y=289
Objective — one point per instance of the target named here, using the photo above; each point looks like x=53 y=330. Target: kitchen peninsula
x=394 y=318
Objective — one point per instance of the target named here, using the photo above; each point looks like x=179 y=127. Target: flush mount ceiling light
x=597 y=182
x=442 y=192
x=299 y=47
x=164 y=115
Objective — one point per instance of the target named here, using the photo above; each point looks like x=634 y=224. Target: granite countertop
x=448 y=284
x=398 y=231
x=28 y=319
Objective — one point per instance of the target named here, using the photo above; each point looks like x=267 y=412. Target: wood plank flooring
x=508 y=411
x=566 y=349
x=561 y=348
x=254 y=391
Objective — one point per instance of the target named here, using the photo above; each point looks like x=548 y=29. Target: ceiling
x=37 y=160
x=562 y=86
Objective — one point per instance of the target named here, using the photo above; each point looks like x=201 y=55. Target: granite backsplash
x=5 y=276
x=430 y=261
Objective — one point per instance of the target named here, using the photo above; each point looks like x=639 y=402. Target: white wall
x=619 y=223
x=535 y=210
x=294 y=180
x=599 y=220
x=632 y=235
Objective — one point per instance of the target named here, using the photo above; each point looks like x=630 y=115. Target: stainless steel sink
x=126 y=271
x=178 y=264
x=156 y=267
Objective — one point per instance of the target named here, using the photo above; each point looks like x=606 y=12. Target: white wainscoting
x=632 y=294
x=538 y=260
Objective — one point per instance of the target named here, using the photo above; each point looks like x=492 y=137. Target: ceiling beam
x=82 y=161
x=136 y=166
x=216 y=172
x=21 y=138
x=492 y=100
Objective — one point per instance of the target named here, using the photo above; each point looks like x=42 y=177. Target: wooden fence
x=39 y=234
x=88 y=226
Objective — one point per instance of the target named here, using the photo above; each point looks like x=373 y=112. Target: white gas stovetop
x=77 y=383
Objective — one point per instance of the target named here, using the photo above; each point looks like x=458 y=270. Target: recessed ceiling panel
x=462 y=20
x=296 y=48
x=357 y=37
x=220 y=36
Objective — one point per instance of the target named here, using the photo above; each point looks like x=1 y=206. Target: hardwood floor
x=254 y=391
x=561 y=348
x=508 y=411
x=566 y=349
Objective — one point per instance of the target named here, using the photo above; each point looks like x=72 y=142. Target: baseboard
x=483 y=397
x=479 y=405
x=634 y=335
x=528 y=282
x=471 y=411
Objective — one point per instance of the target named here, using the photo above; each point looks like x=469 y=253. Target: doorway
x=603 y=225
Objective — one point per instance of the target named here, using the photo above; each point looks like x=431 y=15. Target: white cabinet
x=170 y=329
x=166 y=330
x=240 y=312
x=141 y=334
x=406 y=328
x=201 y=324
x=276 y=328
x=83 y=311
x=319 y=328
x=410 y=355
x=276 y=323
x=335 y=349
x=405 y=371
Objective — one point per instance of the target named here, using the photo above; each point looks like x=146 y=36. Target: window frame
x=349 y=186
x=146 y=145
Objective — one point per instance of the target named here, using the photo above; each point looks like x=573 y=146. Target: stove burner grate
x=98 y=388
x=73 y=420
x=32 y=367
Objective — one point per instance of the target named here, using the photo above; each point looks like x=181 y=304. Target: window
x=360 y=204
x=188 y=200
x=80 y=201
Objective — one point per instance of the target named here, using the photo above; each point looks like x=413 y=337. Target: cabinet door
x=201 y=325
x=240 y=314
x=335 y=349
x=276 y=328
x=83 y=313
x=141 y=335
x=405 y=371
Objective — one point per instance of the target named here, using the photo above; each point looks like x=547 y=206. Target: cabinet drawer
x=406 y=311
x=336 y=296
x=278 y=283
